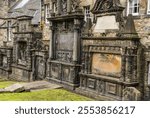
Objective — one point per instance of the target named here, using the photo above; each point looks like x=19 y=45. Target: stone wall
x=142 y=21
x=3 y=14
x=44 y=25
x=4 y=7
x=46 y=32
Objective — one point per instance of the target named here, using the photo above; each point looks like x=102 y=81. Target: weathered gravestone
x=131 y=94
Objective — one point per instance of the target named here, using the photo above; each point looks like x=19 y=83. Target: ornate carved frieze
x=65 y=56
x=106 y=49
x=65 y=26
x=39 y=45
x=110 y=42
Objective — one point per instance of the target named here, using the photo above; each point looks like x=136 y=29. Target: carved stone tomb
x=24 y=37
x=65 y=44
x=109 y=57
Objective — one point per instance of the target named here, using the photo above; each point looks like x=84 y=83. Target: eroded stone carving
x=131 y=94
x=75 y=4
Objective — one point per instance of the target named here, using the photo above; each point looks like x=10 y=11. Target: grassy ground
x=42 y=95
x=4 y=84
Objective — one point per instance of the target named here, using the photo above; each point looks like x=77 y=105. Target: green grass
x=42 y=95
x=5 y=84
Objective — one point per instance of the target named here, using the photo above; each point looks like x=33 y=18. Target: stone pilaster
x=45 y=56
x=69 y=2
x=51 y=41
x=123 y=68
x=33 y=65
x=14 y=50
x=135 y=68
x=83 y=62
x=76 y=38
x=9 y=58
x=128 y=68
x=86 y=62
x=58 y=7
x=89 y=62
x=1 y=59
x=29 y=54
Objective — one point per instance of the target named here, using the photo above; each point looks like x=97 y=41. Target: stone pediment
x=106 y=6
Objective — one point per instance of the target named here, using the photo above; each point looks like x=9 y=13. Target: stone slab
x=15 y=88
x=31 y=86
x=41 y=85
x=3 y=91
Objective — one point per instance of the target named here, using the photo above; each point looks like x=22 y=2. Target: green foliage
x=41 y=95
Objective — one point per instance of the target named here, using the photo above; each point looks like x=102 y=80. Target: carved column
x=58 y=7
x=9 y=58
x=69 y=2
x=89 y=62
x=45 y=63
x=33 y=66
x=51 y=41
x=128 y=68
x=76 y=38
x=51 y=5
x=86 y=63
x=123 y=66
x=14 y=50
x=134 y=68
x=83 y=62
x=29 y=54
x=1 y=59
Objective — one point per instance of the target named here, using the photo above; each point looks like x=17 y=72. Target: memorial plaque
x=65 y=41
x=106 y=64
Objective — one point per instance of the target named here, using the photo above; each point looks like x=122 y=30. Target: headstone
x=131 y=94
